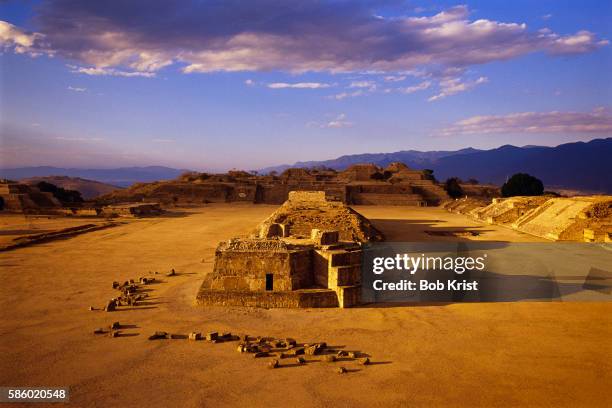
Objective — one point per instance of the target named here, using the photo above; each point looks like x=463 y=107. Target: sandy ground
x=18 y=225
x=496 y=354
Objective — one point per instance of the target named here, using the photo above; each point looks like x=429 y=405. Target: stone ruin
x=306 y=254
x=131 y=210
x=361 y=184
x=587 y=219
x=23 y=198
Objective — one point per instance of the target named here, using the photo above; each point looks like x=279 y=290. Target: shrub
x=429 y=175
x=453 y=188
x=522 y=184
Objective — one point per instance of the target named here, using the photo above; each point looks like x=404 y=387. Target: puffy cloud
x=599 y=121
x=76 y=88
x=298 y=85
x=451 y=86
x=285 y=35
x=13 y=38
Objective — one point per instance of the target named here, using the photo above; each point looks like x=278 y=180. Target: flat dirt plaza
x=494 y=354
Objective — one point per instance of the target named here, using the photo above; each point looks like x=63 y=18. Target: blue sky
x=229 y=84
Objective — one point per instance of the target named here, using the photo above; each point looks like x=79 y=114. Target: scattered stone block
x=158 y=335
x=115 y=326
x=111 y=306
x=171 y=273
x=266 y=348
x=300 y=360
x=364 y=361
x=341 y=370
x=114 y=333
x=99 y=330
x=115 y=285
x=313 y=350
x=296 y=351
x=195 y=336
x=341 y=353
x=329 y=358
x=353 y=354
x=273 y=364
x=260 y=354
x=212 y=336
x=290 y=342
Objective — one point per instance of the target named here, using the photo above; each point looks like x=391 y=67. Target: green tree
x=429 y=174
x=522 y=184
x=453 y=187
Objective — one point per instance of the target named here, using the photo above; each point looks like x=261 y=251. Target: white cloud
x=363 y=84
x=411 y=89
x=394 y=78
x=96 y=71
x=78 y=139
x=339 y=122
x=313 y=36
x=249 y=82
x=19 y=41
x=298 y=85
x=76 y=88
x=547 y=16
x=343 y=95
x=452 y=86
x=598 y=121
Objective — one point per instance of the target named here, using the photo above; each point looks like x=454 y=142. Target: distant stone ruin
x=361 y=184
x=22 y=198
x=131 y=210
x=587 y=219
x=306 y=254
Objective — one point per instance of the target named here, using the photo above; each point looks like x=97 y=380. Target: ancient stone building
x=361 y=184
x=131 y=210
x=306 y=254
x=18 y=197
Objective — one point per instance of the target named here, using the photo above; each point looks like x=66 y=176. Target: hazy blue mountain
x=122 y=177
x=582 y=165
x=412 y=158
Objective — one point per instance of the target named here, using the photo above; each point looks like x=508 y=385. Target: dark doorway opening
x=269 y=281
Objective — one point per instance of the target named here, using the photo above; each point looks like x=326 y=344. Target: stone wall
x=247 y=270
x=289 y=299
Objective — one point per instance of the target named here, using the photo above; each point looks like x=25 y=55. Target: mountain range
x=583 y=166
x=121 y=177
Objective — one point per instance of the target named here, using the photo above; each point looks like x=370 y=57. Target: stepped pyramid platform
x=306 y=254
